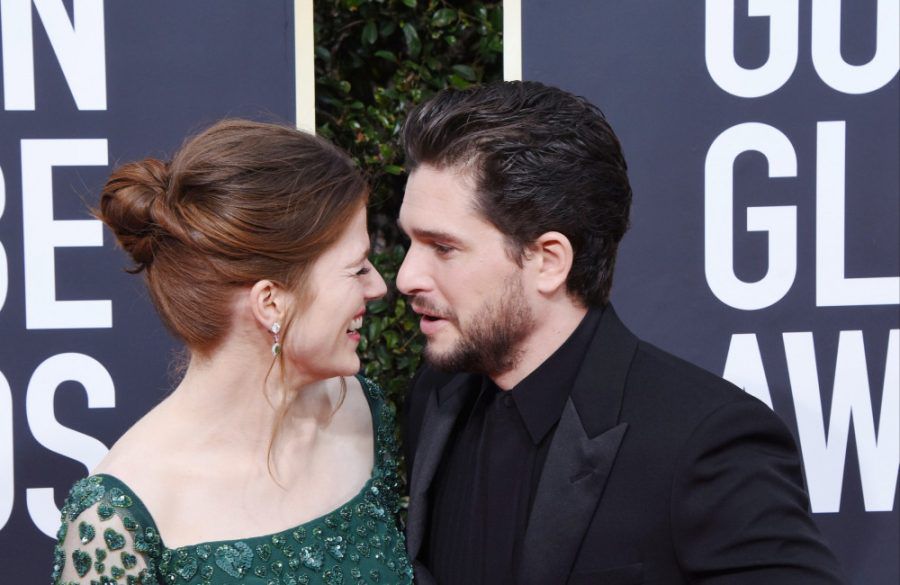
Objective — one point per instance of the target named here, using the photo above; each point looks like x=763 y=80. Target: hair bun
x=131 y=204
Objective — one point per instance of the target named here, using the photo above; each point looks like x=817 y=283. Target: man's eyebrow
x=441 y=236
x=425 y=234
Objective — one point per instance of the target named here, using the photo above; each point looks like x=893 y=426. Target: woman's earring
x=276 y=347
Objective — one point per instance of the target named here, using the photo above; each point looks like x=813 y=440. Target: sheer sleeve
x=99 y=542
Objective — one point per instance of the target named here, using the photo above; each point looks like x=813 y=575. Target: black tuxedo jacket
x=657 y=472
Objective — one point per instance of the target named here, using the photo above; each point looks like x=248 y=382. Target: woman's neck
x=236 y=396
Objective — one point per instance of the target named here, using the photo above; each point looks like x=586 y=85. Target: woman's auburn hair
x=240 y=202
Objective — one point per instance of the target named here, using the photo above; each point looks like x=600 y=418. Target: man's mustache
x=423 y=305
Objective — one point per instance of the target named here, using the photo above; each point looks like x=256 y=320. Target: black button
x=507 y=401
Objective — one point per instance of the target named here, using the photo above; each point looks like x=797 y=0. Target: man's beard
x=490 y=342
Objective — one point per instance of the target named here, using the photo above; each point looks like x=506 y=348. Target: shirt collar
x=541 y=396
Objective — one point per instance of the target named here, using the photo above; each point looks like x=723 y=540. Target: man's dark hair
x=542 y=160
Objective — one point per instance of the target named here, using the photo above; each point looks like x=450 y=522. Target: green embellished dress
x=108 y=536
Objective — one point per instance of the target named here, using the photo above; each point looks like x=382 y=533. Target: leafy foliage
x=375 y=59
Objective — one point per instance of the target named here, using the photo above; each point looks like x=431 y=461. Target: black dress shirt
x=485 y=485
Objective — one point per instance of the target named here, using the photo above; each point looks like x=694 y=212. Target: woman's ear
x=268 y=301
x=554 y=255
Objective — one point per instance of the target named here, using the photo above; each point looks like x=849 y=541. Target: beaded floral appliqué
x=358 y=544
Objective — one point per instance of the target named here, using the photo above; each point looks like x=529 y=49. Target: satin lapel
x=571 y=484
x=580 y=458
x=441 y=411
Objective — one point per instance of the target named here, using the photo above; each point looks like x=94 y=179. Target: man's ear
x=554 y=255
x=268 y=301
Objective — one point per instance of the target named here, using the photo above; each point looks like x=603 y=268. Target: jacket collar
x=441 y=411
x=542 y=395
x=579 y=460
x=580 y=457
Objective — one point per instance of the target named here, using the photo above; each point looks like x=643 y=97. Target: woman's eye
x=363 y=271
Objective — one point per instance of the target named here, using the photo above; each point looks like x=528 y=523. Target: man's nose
x=411 y=278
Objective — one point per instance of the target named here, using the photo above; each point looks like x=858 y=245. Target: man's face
x=471 y=296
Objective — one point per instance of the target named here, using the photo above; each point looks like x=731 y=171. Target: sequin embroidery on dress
x=114 y=540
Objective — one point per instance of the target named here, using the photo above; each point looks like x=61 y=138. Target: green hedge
x=376 y=59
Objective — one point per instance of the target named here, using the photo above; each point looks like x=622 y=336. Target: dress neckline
x=374 y=411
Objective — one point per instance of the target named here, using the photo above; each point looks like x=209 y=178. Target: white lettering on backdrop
x=42 y=234
x=98 y=386
x=79 y=47
x=824 y=453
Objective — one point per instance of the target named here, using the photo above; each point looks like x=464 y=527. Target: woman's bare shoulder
x=140 y=451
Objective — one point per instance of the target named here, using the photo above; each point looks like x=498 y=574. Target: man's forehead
x=447 y=190
x=454 y=178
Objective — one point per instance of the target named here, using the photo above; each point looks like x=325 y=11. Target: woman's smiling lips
x=355 y=325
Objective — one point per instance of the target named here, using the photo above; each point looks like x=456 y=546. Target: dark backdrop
x=817 y=352
x=164 y=69
x=167 y=69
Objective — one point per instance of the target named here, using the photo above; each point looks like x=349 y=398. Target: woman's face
x=323 y=337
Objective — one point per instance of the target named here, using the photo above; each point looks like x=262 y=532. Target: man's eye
x=441 y=249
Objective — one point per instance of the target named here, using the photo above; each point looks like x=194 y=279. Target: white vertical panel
x=304 y=65
x=512 y=40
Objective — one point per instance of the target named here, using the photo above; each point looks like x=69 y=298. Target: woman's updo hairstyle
x=240 y=202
